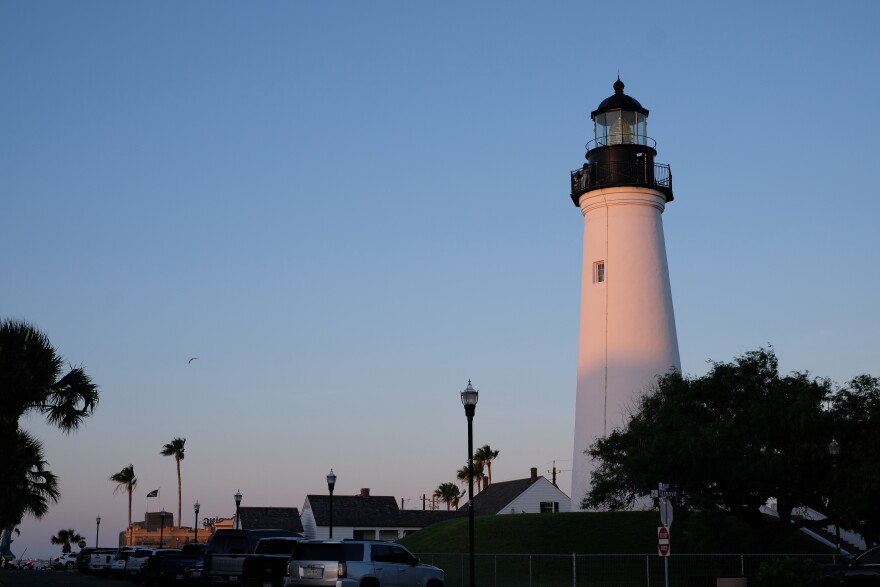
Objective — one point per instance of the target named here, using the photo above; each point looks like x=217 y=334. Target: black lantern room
x=621 y=153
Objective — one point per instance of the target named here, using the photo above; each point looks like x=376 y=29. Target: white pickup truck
x=99 y=563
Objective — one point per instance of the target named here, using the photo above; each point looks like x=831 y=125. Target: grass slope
x=598 y=533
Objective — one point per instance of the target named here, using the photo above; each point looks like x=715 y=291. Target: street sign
x=663 y=546
x=664 y=490
x=665 y=512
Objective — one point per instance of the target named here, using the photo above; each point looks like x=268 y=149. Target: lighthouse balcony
x=598 y=175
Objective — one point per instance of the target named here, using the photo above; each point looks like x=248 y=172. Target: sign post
x=663 y=494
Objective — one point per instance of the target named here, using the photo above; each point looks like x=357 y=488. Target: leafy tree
x=175 y=448
x=448 y=493
x=33 y=380
x=125 y=481
x=730 y=441
x=65 y=538
x=486 y=455
x=856 y=413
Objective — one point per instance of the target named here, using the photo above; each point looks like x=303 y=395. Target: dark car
x=84 y=558
x=862 y=570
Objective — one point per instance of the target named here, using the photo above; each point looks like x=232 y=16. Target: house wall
x=529 y=501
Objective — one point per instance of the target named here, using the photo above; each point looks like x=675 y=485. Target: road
x=55 y=579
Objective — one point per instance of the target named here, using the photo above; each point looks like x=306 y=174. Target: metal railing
x=599 y=175
x=602 y=570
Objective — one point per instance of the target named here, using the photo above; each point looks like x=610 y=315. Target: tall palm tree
x=486 y=455
x=125 y=481
x=447 y=493
x=65 y=538
x=32 y=380
x=175 y=449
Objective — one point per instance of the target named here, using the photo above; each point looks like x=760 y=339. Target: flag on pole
x=153 y=493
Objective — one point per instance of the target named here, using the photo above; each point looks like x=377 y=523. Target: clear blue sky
x=348 y=209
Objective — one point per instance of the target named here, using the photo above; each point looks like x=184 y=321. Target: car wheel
x=69 y=565
x=435 y=584
x=370 y=582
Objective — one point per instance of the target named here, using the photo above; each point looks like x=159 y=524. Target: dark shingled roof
x=372 y=511
x=280 y=518
x=494 y=498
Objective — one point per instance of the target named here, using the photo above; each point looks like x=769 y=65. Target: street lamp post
x=331 y=483
x=162 y=515
x=237 y=504
x=834 y=451
x=196 y=523
x=97 y=530
x=469 y=400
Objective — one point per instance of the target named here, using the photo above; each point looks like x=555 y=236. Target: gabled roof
x=495 y=498
x=280 y=518
x=372 y=512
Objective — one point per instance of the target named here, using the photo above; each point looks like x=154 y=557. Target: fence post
x=648 y=570
x=742 y=565
x=574 y=570
x=530 y=570
x=496 y=570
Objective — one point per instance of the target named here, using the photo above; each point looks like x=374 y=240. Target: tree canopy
x=33 y=380
x=734 y=439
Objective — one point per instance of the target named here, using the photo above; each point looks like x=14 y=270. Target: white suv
x=358 y=563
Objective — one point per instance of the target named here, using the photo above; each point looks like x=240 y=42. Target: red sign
x=663 y=541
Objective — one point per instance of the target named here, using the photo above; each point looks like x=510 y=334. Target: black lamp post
x=834 y=451
x=469 y=400
x=162 y=515
x=97 y=530
x=196 y=524
x=331 y=483
x=237 y=504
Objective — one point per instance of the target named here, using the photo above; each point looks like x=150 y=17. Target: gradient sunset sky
x=347 y=209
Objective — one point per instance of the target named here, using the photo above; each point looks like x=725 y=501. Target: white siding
x=529 y=501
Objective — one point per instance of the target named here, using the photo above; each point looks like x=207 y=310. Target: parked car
x=99 y=562
x=151 y=570
x=134 y=565
x=227 y=549
x=268 y=565
x=352 y=563
x=862 y=570
x=83 y=558
x=117 y=563
x=65 y=561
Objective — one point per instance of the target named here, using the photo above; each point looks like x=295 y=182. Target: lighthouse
x=627 y=325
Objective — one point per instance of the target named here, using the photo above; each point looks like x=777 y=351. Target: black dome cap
x=618 y=101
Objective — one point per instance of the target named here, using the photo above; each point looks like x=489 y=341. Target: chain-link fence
x=603 y=570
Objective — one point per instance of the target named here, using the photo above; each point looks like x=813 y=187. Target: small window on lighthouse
x=599 y=271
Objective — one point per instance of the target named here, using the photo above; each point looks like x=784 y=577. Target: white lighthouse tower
x=627 y=326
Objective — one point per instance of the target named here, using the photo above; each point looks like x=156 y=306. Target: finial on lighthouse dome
x=619 y=101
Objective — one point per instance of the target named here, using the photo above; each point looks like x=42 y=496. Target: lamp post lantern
x=469 y=400
x=97 y=530
x=331 y=483
x=162 y=515
x=196 y=523
x=834 y=452
x=237 y=505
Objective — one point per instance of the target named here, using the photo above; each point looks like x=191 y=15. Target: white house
x=533 y=495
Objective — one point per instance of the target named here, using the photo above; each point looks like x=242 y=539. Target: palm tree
x=125 y=481
x=448 y=493
x=65 y=538
x=33 y=381
x=485 y=454
x=29 y=488
x=175 y=449
x=463 y=474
